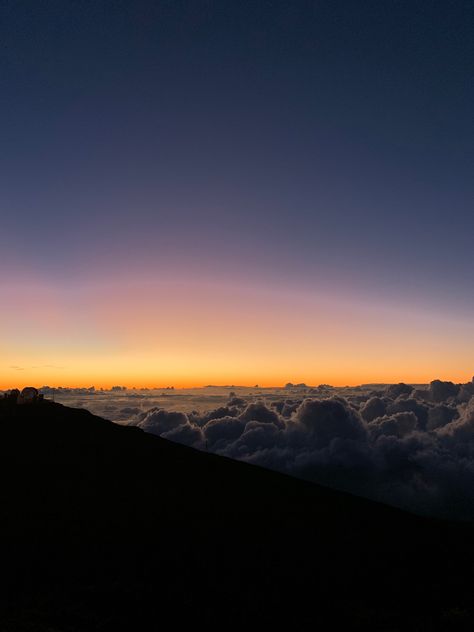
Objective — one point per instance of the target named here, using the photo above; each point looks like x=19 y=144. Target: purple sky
x=316 y=148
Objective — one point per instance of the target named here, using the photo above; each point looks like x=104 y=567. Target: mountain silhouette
x=105 y=527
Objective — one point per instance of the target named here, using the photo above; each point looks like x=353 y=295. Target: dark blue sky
x=296 y=143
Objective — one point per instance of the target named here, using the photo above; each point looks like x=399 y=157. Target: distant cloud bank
x=409 y=447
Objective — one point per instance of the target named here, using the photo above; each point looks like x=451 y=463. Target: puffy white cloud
x=373 y=408
x=220 y=431
x=399 y=446
x=258 y=411
x=395 y=390
x=158 y=421
x=328 y=419
x=174 y=426
x=461 y=429
x=397 y=425
x=440 y=416
x=406 y=405
x=440 y=391
x=187 y=434
x=257 y=436
x=466 y=391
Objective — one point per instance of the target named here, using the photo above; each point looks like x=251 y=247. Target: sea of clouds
x=412 y=448
x=409 y=446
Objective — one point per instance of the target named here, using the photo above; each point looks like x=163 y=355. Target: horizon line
x=123 y=387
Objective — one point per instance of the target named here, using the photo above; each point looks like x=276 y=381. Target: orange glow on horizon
x=190 y=384
x=193 y=335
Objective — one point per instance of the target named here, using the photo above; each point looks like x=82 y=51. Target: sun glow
x=158 y=334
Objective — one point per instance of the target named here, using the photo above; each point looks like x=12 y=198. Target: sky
x=208 y=192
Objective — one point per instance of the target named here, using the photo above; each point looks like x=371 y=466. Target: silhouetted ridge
x=106 y=527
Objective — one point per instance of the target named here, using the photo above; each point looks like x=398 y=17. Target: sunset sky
x=231 y=192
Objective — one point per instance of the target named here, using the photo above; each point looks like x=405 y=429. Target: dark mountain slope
x=107 y=528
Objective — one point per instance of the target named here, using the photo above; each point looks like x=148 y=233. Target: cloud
x=402 y=446
x=401 y=405
x=440 y=391
x=439 y=416
x=159 y=421
x=462 y=429
x=187 y=434
x=40 y=366
x=329 y=419
x=373 y=408
x=258 y=411
x=256 y=436
x=395 y=390
x=223 y=430
x=397 y=425
x=174 y=426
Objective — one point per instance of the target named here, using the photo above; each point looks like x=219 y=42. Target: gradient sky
x=236 y=192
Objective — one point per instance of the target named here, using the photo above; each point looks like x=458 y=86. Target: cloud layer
x=413 y=448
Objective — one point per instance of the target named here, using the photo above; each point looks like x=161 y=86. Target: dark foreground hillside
x=107 y=528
